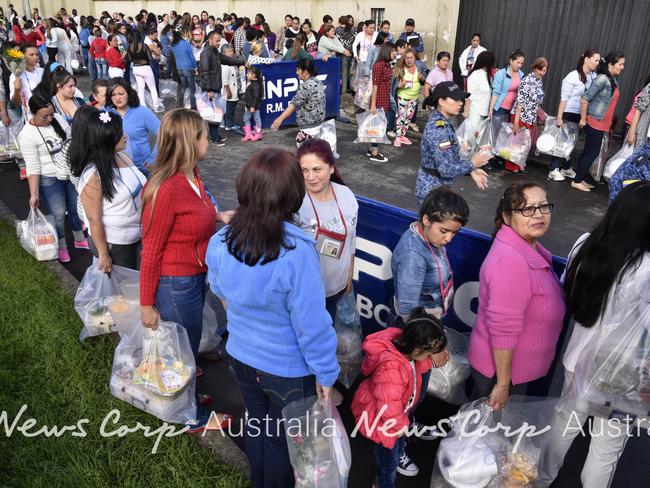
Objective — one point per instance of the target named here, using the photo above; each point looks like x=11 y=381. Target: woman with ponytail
x=573 y=87
x=597 y=113
x=521 y=306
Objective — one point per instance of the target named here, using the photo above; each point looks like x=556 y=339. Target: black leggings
x=125 y=255
x=593 y=142
x=51 y=53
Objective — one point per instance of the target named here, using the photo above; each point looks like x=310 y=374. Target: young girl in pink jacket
x=394 y=364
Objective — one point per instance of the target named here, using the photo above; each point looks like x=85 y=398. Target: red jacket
x=114 y=58
x=174 y=242
x=390 y=384
x=98 y=48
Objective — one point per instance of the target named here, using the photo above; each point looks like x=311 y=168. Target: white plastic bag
x=558 y=141
x=372 y=128
x=167 y=361
x=210 y=340
x=8 y=145
x=100 y=300
x=211 y=110
x=448 y=382
x=129 y=357
x=318 y=445
x=349 y=339
x=327 y=132
x=487 y=137
x=466 y=140
x=617 y=160
x=37 y=235
x=597 y=167
x=513 y=147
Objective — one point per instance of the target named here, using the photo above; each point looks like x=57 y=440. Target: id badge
x=331 y=248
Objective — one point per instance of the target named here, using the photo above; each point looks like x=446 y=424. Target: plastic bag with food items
x=37 y=235
x=513 y=147
x=372 y=127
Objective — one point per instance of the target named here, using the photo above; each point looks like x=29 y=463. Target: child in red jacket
x=394 y=364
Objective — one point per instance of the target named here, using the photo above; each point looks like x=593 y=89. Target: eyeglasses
x=545 y=209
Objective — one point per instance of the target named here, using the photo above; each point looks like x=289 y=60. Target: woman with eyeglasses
x=40 y=143
x=138 y=121
x=109 y=187
x=521 y=304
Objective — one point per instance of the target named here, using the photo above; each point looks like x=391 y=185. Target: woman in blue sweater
x=138 y=122
x=186 y=65
x=266 y=271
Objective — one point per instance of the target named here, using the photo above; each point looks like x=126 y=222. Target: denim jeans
x=593 y=142
x=102 y=68
x=188 y=81
x=89 y=63
x=60 y=196
x=386 y=461
x=155 y=67
x=180 y=299
x=229 y=116
x=265 y=395
x=255 y=116
x=559 y=163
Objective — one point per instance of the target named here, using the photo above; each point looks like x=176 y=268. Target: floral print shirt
x=529 y=97
x=309 y=102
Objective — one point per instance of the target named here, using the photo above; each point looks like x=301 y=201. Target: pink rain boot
x=257 y=134
x=248 y=134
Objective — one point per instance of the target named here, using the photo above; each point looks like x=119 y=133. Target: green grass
x=44 y=366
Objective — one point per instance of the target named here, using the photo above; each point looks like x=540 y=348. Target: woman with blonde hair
x=409 y=84
x=178 y=219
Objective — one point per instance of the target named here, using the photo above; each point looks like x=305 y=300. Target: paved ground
x=391 y=182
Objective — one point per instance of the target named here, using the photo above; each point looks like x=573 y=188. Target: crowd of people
x=284 y=259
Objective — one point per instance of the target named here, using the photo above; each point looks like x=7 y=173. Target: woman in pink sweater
x=521 y=305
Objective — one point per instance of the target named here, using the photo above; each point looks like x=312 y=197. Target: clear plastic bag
x=327 y=132
x=168 y=88
x=497 y=449
x=487 y=137
x=167 y=361
x=613 y=371
x=349 y=337
x=101 y=302
x=318 y=444
x=211 y=110
x=37 y=235
x=617 y=160
x=448 y=382
x=372 y=127
x=466 y=140
x=179 y=408
x=558 y=141
x=597 y=167
x=210 y=340
x=513 y=147
x=8 y=145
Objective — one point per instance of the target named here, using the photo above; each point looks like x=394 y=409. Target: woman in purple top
x=521 y=304
x=439 y=73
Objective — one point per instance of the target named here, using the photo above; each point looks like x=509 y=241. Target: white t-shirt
x=335 y=271
x=572 y=90
x=121 y=216
x=479 y=89
x=229 y=75
x=40 y=145
x=149 y=42
x=29 y=80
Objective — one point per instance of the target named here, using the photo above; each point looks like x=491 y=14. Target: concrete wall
x=436 y=20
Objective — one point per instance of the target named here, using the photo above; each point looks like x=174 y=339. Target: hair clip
x=105 y=117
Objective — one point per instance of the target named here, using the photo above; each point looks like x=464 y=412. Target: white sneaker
x=555 y=175
x=406 y=467
x=391 y=133
x=568 y=173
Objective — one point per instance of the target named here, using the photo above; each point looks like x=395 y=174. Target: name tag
x=445 y=145
x=331 y=248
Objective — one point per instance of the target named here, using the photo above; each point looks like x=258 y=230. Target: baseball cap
x=448 y=89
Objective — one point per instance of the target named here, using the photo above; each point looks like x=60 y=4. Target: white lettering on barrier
x=367 y=311
x=274 y=108
x=380 y=271
x=283 y=87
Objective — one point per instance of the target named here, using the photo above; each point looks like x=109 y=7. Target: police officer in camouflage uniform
x=635 y=168
x=441 y=162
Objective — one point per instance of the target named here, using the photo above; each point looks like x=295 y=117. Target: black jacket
x=253 y=95
x=210 y=68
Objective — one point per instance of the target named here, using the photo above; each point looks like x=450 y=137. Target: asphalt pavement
x=392 y=182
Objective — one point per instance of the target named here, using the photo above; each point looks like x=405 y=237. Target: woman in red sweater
x=115 y=58
x=178 y=219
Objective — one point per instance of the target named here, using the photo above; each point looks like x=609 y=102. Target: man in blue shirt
x=411 y=37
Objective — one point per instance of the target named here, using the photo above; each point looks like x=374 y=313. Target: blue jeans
x=155 y=67
x=559 y=163
x=180 y=299
x=102 y=69
x=229 y=116
x=255 y=116
x=188 y=81
x=593 y=142
x=213 y=132
x=265 y=395
x=60 y=196
x=386 y=460
x=89 y=63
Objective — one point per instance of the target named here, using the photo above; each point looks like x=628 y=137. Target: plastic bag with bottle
x=349 y=339
x=513 y=147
